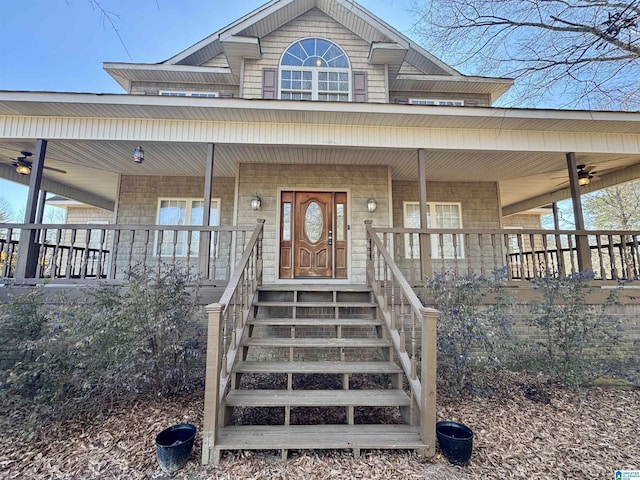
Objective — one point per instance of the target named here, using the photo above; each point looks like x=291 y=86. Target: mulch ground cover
x=529 y=429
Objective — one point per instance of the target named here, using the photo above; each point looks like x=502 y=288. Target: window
x=165 y=93
x=439 y=215
x=315 y=69
x=436 y=102
x=183 y=211
x=95 y=234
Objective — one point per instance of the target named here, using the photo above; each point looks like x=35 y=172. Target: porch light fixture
x=372 y=204
x=23 y=169
x=584 y=175
x=138 y=154
x=584 y=179
x=256 y=202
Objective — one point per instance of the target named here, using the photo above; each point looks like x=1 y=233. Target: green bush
x=574 y=336
x=85 y=350
x=473 y=337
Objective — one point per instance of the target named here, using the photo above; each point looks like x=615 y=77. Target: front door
x=313 y=235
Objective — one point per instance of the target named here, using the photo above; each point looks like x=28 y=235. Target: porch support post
x=212 y=384
x=556 y=216
x=582 y=242
x=28 y=248
x=205 y=237
x=425 y=240
x=428 y=380
x=41 y=204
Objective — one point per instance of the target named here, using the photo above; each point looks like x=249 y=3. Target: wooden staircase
x=314 y=369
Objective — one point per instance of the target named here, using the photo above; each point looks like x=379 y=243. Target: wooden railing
x=412 y=329
x=86 y=252
x=525 y=254
x=226 y=323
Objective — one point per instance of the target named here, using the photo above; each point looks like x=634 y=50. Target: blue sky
x=60 y=45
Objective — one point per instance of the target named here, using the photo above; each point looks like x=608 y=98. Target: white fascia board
x=150 y=72
x=236 y=48
x=387 y=53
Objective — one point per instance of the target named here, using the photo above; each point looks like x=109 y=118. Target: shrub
x=574 y=335
x=83 y=351
x=473 y=338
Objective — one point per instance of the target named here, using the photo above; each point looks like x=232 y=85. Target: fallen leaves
x=555 y=433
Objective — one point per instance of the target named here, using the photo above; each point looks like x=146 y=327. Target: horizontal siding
x=218 y=61
x=314 y=23
x=316 y=134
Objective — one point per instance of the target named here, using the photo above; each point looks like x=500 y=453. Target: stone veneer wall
x=361 y=182
x=479 y=209
x=138 y=205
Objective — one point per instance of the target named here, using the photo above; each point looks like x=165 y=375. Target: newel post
x=370 y=268
x=428 y=380
x=212 y=381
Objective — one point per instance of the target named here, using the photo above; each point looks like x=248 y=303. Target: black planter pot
x=173 y=447
x=456 y=441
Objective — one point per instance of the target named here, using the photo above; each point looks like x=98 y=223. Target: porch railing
x=110 y=252
x=412 y=329
x=524 y=253
x=226 y=323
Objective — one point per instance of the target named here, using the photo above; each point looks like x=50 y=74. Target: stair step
x=317 y=398
x=314 y=288
x=317 y=322
x=311 y=304
x=317 y=342
x=319 y=437
x=317 y=367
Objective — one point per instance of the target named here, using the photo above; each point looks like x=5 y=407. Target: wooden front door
x=309 y=241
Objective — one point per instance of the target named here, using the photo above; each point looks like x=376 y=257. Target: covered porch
x=489 y=163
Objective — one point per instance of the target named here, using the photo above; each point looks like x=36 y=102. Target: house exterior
x=350 y=111
x=310 y=143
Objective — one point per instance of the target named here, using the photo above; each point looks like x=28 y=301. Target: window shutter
x=360 y=86
x=269 y=83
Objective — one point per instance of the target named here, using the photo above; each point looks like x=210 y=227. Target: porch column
x=28 y=248
x=425 y=240
x=582 y=242
x=205 y=237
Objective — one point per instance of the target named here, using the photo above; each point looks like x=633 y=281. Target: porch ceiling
x=93 y=166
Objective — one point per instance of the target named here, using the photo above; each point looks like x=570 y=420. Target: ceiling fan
x=585 y=175
x=23 y=165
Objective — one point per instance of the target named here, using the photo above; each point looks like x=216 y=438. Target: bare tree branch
x=587 y=49
x=110 y=18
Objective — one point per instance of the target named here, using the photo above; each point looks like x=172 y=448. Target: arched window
x=315 y=69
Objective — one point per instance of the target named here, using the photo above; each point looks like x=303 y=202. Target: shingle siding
x=314 y=23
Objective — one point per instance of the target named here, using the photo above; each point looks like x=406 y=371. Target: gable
x=376 y=48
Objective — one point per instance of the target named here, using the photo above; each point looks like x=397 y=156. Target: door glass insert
x=286 y=221
x=313 y=222
x=340 y=221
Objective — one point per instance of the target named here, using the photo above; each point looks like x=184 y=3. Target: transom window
x=439 y=215
x=315 y=69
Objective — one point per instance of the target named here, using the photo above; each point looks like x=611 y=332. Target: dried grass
x=531 y=429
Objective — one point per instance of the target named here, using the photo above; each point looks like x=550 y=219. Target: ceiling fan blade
x=53 y=169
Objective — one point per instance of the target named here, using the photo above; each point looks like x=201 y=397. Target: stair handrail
x=227 y=320
x=401 y=310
